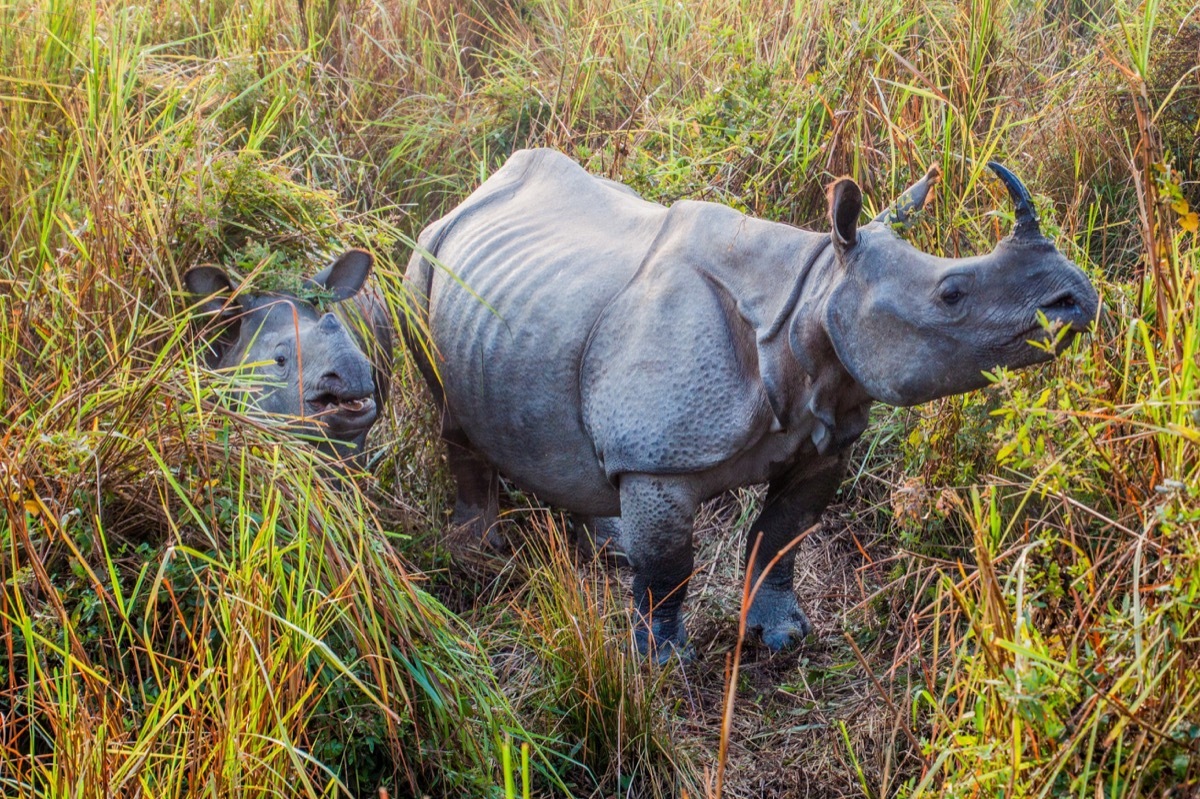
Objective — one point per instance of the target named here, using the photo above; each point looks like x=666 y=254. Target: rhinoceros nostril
x=1063 y=302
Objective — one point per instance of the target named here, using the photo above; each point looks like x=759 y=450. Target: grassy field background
x=1005 y=595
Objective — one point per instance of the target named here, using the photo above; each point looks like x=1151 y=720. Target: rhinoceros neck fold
x=765 y=265
x=817 y=260
x=779 y=278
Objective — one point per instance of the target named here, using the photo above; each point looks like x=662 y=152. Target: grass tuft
x=1005 y=598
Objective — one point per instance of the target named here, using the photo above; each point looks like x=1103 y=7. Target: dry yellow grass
x=1005 y=597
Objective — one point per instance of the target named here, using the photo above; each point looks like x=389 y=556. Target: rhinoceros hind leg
x=478 y=502
x=657 y=513
x=793 y=504
x=599 y=535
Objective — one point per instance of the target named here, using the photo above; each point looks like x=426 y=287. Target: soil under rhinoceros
x=806 y=723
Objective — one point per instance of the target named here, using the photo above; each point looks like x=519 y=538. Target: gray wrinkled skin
x=301 y=363
x=622 y=359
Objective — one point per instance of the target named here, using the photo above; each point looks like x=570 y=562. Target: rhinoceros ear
x=346 y=276
x=845 y=206
x=218 y=322
x=210 y=284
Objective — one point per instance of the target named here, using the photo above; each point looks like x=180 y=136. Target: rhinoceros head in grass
x=323 y=370
x=911 y=327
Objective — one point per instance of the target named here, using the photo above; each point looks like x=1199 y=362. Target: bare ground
x=806 y=723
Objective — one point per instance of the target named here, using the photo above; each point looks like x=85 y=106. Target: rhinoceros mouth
x=342 y=412
x=1034 y=340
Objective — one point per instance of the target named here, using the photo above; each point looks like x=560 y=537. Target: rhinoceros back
x=536 y=255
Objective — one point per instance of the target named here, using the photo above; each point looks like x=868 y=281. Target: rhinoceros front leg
x=657 y=513
x=478 y=501
x=794 y=503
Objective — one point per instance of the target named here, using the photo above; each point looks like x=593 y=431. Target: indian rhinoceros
x=620 y=358
x=302 y=363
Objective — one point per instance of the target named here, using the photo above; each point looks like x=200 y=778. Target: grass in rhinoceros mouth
x=1004 y=595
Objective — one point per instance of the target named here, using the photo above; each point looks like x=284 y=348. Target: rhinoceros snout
x=341 y=370
x=343 y=386
x=1073 y=306
x=342 y=397
x=1066 y=309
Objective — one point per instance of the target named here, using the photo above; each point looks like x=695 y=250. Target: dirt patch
x=806 y=723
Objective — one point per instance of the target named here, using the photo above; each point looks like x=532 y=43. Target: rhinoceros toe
x=778 y=615
x=663 y=647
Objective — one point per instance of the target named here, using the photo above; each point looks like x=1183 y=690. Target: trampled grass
x=1005 y=597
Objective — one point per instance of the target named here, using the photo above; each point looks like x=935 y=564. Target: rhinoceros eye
x=954 y=288
x=952 y=296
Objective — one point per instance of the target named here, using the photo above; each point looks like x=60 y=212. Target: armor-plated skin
x=302 y=363
x=619 y=358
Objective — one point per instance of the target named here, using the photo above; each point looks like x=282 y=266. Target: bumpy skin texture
x=622 y=359
x=324 y=371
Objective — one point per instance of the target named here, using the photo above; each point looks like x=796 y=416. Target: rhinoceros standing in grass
x=619 y=358
x=307 y=365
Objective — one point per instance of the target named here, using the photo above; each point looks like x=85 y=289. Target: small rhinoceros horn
x=1027 y=221
x=903 y=210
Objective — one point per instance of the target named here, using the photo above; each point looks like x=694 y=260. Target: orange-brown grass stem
x=748 y=594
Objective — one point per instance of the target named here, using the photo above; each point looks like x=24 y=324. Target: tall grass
x=589 y=687
x=192 y=604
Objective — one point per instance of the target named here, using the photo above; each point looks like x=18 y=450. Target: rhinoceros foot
x=663 y=641
x=777 y=614
x=474 y=524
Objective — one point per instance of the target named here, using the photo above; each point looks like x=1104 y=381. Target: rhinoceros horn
x=1027 y=221
x=903 y=210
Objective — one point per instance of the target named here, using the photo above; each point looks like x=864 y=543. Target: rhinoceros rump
x=622 y=359
x=308 y=366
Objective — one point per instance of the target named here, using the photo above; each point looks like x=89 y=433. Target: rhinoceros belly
x=531 y=276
